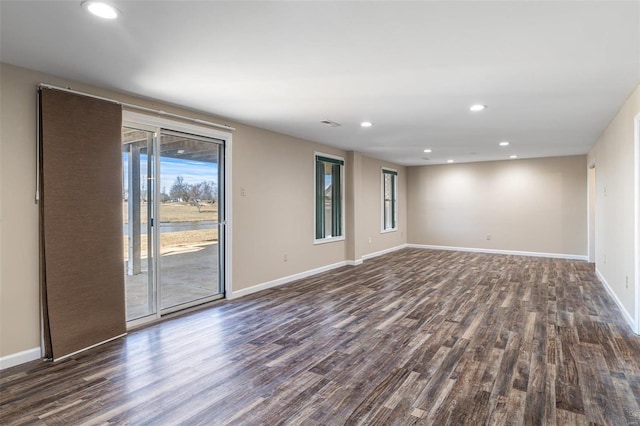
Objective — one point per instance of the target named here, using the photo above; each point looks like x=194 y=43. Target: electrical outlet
x=626 y=281
x=243 y=192
x=488 y=236
x=369 y=240
x=285 y=257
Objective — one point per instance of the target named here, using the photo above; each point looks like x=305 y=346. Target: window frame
x=394 y=205
x=332 y=159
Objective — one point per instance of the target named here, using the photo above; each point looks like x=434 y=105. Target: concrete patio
x=188 y=273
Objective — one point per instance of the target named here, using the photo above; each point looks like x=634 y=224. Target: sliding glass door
x=173 y=210
x=189 y=219
x=137 y=209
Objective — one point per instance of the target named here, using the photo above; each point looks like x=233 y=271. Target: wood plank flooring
x=415 y=337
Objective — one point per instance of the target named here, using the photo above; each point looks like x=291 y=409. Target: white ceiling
x=553 y=73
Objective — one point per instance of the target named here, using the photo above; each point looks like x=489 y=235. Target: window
x=389 y=204
x=328 y=198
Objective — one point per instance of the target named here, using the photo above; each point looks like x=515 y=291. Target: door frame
x=155 y=123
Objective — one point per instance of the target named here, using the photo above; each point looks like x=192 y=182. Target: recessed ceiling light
x=513 y=156
x=103 y=10
x=477 y=107
x=449 y=161
x=504 y=143
x=366 y=124
x=427 y=150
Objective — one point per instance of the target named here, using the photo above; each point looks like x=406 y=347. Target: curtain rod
x=141 y=108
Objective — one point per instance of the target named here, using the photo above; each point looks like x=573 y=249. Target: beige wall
x=366 y=232
x=536 y=205
x=19 y=295
x=277 y=214
x=274 y=217
x=613 y=156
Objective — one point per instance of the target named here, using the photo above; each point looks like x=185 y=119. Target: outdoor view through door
x=137 y=204
x=172 y=207
x=189 y=217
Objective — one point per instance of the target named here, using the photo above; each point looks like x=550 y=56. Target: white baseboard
x=627 y=316
x=494 y=251
x=385 y=251
x=283 y=280
x=20 y=358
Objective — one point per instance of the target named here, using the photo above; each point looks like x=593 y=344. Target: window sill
x=328 y=240
x=386 y=231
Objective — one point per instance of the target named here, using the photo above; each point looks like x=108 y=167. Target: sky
x=170 y=168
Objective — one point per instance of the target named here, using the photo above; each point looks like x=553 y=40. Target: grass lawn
x=176 y=212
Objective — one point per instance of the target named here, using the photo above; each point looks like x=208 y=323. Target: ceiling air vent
x=330 y=123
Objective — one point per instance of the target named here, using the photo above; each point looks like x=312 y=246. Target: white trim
x=145 y=320
x=636 y=248
x=228 y=216
x=88 y=347
x=165 y=123
x=283 y=280
x=184 y=307
x=329 y=240
x=18 y=358
x=305 y=274
x=155 y=230
x=613 y=295
x=508 y=252
x=386 y=231
x=385 y=251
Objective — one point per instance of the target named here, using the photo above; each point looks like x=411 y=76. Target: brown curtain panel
x=81 y=243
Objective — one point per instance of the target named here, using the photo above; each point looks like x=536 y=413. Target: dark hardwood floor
x=412 y=337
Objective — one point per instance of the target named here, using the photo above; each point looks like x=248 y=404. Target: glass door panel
x=137 y=207
x=189 y=217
